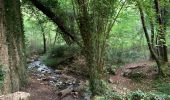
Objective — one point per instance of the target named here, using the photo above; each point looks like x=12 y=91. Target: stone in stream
x=44 y=69
x=34 y=64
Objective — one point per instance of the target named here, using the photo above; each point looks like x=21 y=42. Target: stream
x=53 y=77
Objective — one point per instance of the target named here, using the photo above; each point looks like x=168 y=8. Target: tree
x=12 y=54
x=161 y=40
x=160 y=55
x=94 y=24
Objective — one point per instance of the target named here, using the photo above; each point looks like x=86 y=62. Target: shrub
x=137 y=95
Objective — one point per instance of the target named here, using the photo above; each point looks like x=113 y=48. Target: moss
x=2 y=74
x=15 y=39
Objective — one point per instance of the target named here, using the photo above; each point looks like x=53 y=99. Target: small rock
x=110 y=80
x=38 y=79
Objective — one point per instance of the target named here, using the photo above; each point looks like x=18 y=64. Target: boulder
x=16 y=96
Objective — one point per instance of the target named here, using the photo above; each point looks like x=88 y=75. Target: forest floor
x=123 y=84
x=40 y=85
x=41 y=90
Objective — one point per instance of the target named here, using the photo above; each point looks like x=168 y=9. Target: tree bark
x=4 y=62
x=12 y=52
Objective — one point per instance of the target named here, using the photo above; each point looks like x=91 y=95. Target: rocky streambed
x=63 y=83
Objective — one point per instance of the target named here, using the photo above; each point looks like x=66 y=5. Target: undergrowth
x=162 y=86
x=137 y=95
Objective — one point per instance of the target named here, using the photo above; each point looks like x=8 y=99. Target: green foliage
x=63 y=50
x=35 y=25
x=126 y=42
x=113 y=96
x=59 y=54
x=137 y=95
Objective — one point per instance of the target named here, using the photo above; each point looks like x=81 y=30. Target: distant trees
x=12 y=53
x=57 y=19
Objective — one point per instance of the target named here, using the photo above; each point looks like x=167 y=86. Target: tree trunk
x=44 y=42
x=4 y=62
x=12 y=53
x=162 y=48
x=152 y=37
x=93 y=44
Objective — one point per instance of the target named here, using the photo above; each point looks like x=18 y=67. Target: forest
x=84 y=49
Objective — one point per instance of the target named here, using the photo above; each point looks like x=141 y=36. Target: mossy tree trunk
x=12 y=53
x=94 y=25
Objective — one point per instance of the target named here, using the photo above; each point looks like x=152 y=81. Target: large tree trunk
x=4 y=62
x=93 y=47
x=12 y=53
